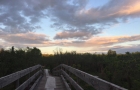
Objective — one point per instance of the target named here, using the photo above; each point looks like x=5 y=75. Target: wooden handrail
x=27 y=82
x=74 y=84
x=6 y=80
x=66 y=84
x=36 y=82
x=94 y=81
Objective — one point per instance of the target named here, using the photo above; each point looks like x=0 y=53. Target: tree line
x=121 y=69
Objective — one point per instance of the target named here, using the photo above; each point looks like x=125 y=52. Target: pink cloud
x=111 y=40
x=131 y=9
x=24 y=38
x=41 y=40
x=73 y=34
x=102 y=41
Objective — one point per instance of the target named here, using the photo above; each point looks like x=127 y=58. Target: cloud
x=100 y=44
x=101 y=41
x=23 y=38
x=109 y=13
x=18 y=16
x=114 y=12
x=73 y=34
x=131 y=9
x=83 y=33
x=119 y=49
x=106 y=41
x=135 y=48
x=72 y=17
x=97 y=42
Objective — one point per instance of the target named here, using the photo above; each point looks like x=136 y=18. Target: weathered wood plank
x=42 y=83
x=4 y=81
x=27 y=82
x=73 y=83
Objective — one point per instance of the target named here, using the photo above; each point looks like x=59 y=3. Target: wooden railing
x=6 y=80
x=61 y=70
x=94 y=81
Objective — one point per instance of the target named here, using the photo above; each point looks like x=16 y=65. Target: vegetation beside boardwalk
x=121 y=69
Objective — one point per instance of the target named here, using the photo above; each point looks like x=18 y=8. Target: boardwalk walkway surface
x=49 y=82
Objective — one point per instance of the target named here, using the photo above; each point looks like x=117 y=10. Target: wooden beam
x=36 y=82
x=73 y=83
x=6 y=80
x=66 y=84
x=94 y=81
x=27 y=82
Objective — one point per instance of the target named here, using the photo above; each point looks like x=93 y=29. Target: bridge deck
x=49 y=82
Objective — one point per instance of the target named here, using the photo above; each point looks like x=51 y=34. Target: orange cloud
x=97 y=41
x=102 y=41
x=130 y=9
x=39 y=40
x=24 y=38
x=111 y=40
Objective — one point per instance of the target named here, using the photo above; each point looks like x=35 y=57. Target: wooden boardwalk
x=49 y=82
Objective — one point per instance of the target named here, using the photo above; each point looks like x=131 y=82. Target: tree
x=111 y=53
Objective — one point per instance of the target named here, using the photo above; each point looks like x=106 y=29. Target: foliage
x=121 y=69
x=14 y=60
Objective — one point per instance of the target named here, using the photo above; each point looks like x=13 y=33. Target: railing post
x=17 y=83
x=42 y=72
x=61 y=68
x=29 y=77
x=77 y=80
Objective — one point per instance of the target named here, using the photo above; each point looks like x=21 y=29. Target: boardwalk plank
x=49 y=82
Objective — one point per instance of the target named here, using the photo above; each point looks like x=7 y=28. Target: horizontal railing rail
x=6 y=80
x=36 y=82
x=27 y=82
x=74 y=84
x=66 y=84
x=94 y=81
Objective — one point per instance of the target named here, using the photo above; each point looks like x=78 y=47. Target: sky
x=84 y=26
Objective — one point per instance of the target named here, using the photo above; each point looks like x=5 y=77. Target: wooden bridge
x=38 y=78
